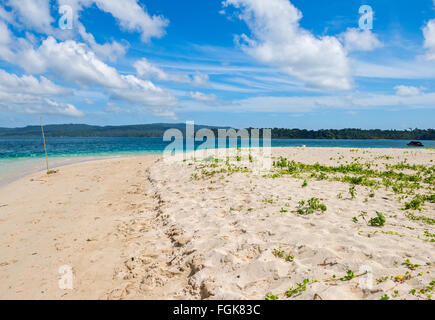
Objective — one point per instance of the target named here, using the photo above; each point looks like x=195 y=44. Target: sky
x=310 y=64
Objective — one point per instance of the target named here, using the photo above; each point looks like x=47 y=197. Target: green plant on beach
x=410 y=265
x=300 y=287
x=379 y=221
x=281 y=254
x=426 y=220
x=270 y=297
x=352 y=192
x=313 y=205
x=418 y=201
x=349 y=276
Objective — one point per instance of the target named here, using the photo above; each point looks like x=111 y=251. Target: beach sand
x=140 y=228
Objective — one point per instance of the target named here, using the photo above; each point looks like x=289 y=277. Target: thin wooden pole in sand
x=45 y=148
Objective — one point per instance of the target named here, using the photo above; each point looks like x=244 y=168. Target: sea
x=20 y=156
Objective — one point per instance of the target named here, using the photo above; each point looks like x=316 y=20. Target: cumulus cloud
x=277 y=39
x=75 y=64
x=429 y=39
x=27 y=94
x=110 y=51
x=133 y=17
x=5 y=39
x=407 y=91
x=146 y=69
x=143 y=93
x=130 y=15
x=360 y=40
x=29 y=85
x=34 y=14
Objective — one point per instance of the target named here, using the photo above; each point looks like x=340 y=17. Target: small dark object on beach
x=415 y=144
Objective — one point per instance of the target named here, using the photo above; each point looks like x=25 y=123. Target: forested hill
x=157 y=130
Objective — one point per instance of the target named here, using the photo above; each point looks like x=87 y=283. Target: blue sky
x=275 y=63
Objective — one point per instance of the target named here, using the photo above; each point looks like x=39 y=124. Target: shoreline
x=4 y=181
x=59 y=162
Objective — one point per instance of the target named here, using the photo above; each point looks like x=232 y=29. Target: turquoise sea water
x=20 y=156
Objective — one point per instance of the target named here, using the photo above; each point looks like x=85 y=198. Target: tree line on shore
x=157 y=131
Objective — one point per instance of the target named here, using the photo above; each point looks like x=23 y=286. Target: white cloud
x=33 y=14
x=429 y=39
x=133 y=17
x=54 y=107
x=75 y=64
x=199 y=96
x=360 y=40
x=146 y=69
x=6 y=15
x=277 y=39
x=28 y=94
x=407 y=91
x=70 y=61
x=111 y=51
x=143 y=93
x=29 y=85
x=130 y=15
x=200 y=79
x=5 y=39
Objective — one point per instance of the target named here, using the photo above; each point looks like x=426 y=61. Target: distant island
x=156 y=130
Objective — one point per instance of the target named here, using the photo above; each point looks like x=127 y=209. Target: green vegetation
x=300 y=287
x=271 y=297
x=156 y=131
x=418 y=201
x=352 y=192
x=349 y=276
x=410 y=265
x=426 y=220
x=379 y=221
x=313 y=205
x=281 y=254
x=358 y=174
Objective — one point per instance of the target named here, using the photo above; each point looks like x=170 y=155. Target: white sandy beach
x=139 y=228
